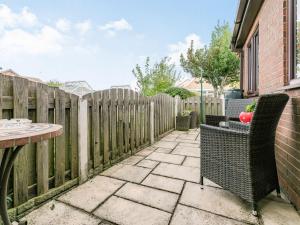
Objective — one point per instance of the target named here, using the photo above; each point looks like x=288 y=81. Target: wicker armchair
x=232 y=111
x=241 y=159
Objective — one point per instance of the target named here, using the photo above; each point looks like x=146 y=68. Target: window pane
x=297 y=39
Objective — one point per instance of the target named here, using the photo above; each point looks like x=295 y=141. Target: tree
x=155 y=79
x=182 y=92
x=219 y=65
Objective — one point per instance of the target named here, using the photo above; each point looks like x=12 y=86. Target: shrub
x=182 y=92
x=251 y=107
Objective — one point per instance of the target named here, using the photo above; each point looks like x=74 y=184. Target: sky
x=101 y=41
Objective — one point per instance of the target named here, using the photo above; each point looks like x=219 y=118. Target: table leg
x=7 y=163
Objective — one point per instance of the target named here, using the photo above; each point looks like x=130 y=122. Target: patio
x=159 y=186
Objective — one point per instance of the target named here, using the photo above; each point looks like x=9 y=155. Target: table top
x=27 y=133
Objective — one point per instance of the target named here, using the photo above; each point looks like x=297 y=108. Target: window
x=294 y=39
x=253 y=64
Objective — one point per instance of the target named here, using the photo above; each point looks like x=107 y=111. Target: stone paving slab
x=278 y=213
x=187 y=137
x=166 y=144
x=125 y=212
x=145 y=152
x=179 y=172
x=131 y=173
x=112 y=169
x=54 y=213
x=164 y=183
x=149 y=196
x=147 y=163
x=170 y=138
x=168 y=158
x=192 y=162
x=189 y=216
x=183 y=144
x=132 y=160
x=164 y=150
x=217 y=201
x=187 y=151
x=90 y=194
x=187 y=141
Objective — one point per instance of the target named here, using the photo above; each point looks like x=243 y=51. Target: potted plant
x=183 y=120
x=246 y=117
x=193 y=120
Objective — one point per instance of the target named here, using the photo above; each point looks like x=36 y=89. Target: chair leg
x=254 y=209
x=201 y=180
x=278 y=192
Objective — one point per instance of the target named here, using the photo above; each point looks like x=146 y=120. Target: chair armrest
x=238 y=126
x=214 y=120
x=222 y=131
x=223 y=144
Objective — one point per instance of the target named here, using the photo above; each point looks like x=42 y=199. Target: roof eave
x=245 y=17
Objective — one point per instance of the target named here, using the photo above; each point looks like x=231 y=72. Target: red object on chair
x=246 y=117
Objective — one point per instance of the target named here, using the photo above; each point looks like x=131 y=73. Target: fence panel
x=48 y=167
x=212 y=106
x=164 y=115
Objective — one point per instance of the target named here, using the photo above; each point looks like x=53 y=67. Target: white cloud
x=18 y=41
x=9 y=19
x=114 y=26
x=83 y=27
x=63 y=25
x=175 y=50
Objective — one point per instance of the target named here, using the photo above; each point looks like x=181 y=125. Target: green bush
x=182 y=92
x=251 y=107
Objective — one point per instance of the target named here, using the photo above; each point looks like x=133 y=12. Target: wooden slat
x=74 y=136
x=96 y=131
x=132 y=121
x=42 y=154
x=60 y=141
x=126 y=119
x=113 y=124
x=137 y=121
x=120 y=121
x=105 y=120
x=142 y=116
x=20 y=93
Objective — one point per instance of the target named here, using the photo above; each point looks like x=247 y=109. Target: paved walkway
x=159 y=186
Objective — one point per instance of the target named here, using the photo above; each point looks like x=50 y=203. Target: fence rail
x=100 y=129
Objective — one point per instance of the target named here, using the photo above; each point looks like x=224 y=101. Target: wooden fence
x=100 y=129
x=119 y=124
x=212 y=106
x=164 y=114
x=50 y=164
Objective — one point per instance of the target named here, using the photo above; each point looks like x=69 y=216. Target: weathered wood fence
x=100 y=129
x=49 y=165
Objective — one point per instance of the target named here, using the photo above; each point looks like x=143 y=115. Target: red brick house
x=265 y=36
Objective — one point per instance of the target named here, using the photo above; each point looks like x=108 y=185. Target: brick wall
x=273 y=73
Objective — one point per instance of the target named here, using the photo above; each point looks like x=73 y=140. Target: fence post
x=176 y=109
x=82 y=139
x=222 y=98
x=151 y=122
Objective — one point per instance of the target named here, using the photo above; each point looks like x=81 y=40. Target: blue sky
x=100 y=41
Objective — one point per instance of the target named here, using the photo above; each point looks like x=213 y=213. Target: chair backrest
x=236 y=106
x=265 y=120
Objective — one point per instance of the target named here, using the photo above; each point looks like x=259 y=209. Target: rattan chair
x=232 y=111
x=241 y=159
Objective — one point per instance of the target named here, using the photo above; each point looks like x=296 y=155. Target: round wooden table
x=13 y=137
